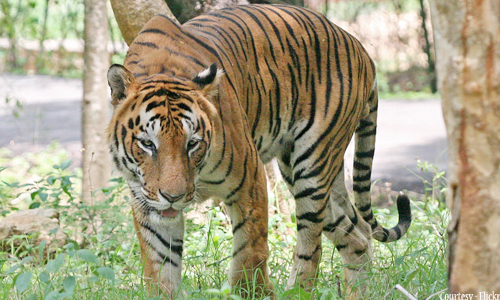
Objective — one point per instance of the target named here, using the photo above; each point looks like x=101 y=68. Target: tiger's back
x=295 y=87
x=288 y=68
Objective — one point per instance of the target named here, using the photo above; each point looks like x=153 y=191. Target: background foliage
x=46 y=37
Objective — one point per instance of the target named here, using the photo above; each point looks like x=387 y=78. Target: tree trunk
x=131 y=15
x=467 y=39
x=431 y=67
x=95 y=107
x=291 y=2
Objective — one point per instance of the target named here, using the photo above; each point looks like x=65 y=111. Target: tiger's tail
x=363 y=159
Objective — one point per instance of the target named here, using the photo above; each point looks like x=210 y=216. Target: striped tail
x=363 y=159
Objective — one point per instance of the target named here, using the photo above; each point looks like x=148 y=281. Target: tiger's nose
x=171 y=198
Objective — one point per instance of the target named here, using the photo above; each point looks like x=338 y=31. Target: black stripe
x=176 y=249
x=363 y=124
x=369 y=133
x=305 y=193
x=398 y=232
x=331 y=226
x=240 y=185
x=262 y=27
x=360 y=166
x=301 y=226
x=361 y=189
x=147 y=44
x=157 y=93
x=386 y=235
x=354 y=220
x=240 y=248
x=340 y=247
x=309 y=257
x=363 y=177
x=124 y=135
x=365 y=208
x=313 y=216
x=349 y=230
x=360 y=251
x=369 y=217
x=154 y=104
x=153 y=30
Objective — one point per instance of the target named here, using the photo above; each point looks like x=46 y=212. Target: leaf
x=52 y=295
x=26 y=259
x=31 y=297
x=11 y=185
x=12 y=269
x=65 y=164
x=213 y=291
x=69 y=284
x=296 y=293
x=55 y=264
x=87 y=255
x=43 y=196
x=23 y=281
x=226 y=288
x=44 y=277
x=41 y=248
x=51 y=180
x=107 y=273
x=94 y=279
x=70 y=249
x=34 y=205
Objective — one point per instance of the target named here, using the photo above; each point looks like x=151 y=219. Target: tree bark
x=431 y=66
x=291 y=2
x=131 y=15
x=95 y=107
x=467 y=39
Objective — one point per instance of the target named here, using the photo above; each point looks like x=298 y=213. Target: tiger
x=199 y=108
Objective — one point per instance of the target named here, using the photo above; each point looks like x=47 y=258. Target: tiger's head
x=160 y=134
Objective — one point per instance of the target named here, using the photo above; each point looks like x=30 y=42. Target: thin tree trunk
x=467 y=39
x=95 y=107
x=431 y=67
x=41 y=52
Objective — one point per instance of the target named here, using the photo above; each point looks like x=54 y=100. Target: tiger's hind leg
x=280 y=197
x=351 y=236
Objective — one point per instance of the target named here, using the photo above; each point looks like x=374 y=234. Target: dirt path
x=407 y=130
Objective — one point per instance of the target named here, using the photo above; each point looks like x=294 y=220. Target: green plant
x=101 y=259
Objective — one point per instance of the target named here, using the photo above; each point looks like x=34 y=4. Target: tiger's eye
x=191 y=144
x=148 y=144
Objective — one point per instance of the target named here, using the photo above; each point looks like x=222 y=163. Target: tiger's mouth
x=175 y=208
x=169 y=213
x=157 y=210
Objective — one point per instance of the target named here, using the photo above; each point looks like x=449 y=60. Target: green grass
x=408 y=96
x=101 y=258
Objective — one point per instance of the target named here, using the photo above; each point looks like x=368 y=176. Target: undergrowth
x=100 y=258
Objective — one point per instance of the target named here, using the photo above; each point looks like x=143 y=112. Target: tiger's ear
x=119 y=80
x=208 y=80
